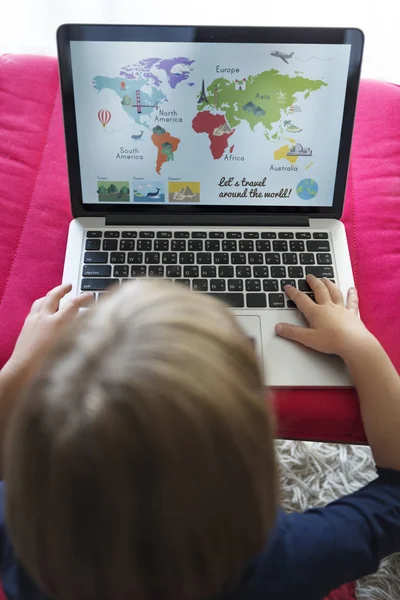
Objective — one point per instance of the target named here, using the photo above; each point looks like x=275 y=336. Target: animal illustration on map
x=138 y=136
x=153 y=194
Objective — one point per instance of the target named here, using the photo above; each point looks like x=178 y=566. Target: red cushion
x=34 y=209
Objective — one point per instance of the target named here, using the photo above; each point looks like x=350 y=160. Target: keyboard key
x=111 y=234
x=236 y=300
x=96 y=271
x=307 y=259
x=185 y=282
x=174 y=271
x=285 y=282
x=199 y=234
x=255 y=258
x=93 y=234
x=191 y=271
x=221 y=258
x=272 y=259
x=296 y=246
x=95 y=257
x=303 y=235
x=262 y=272
x=235 y=285
x=303 y=286
x=234 y=235
x=290 y=304
x=181 y=234
x=256 y=300
x=118 y=257
x=144 y=245
x=296 y=272
x=161 y=245
x=212 y=246
x=251 y=235
x=285 y=235
x=121 y=271
x=244 y=272
x=238 y=258
x=318 y=246
x=229 y=246
x=276 y=300
x=146 y=234
x=152 y=258
x=204 y=258
x=324 y=259
x=320 y=235
x=129 y=234
x=156 y=271
x=246 y=246
x=139 y=271
x=110 y=244
x=135 y=258
x=209 y=271
x=263 y=246
x=216 y=234
x=280 y=246
x=217 y=285
x=290 y=258
x=186 y=258
x=225 y=272
x=124 y=244
x=195 y=245
x=96 y=284
x=268 y=235
x=253 y=285
x=178 y=245
x=278 y=272
x=169 y=258
x=200 y=285
x=270 y=285
x=162 y=234
x=320 y=272
x=93 y=244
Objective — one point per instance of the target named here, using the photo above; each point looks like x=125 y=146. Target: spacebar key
x=234 y=300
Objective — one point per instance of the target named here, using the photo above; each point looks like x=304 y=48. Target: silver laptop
x=216 y=158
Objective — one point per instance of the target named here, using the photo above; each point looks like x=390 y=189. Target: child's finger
x=52 y=299
x=352 y=300
x=72 y=307
x=301 y=300
x=336 y=294
x=302 y=335
x=321 y=293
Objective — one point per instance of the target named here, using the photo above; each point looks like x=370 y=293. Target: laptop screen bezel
x=166 y=33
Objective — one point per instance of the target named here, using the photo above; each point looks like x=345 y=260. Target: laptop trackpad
x=252 y=326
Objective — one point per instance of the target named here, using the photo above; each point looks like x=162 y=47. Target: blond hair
x=140 y=464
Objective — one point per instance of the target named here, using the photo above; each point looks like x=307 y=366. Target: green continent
x=252 y=103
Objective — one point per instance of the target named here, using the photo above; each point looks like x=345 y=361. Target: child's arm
x=337 y=329
x=41 y=329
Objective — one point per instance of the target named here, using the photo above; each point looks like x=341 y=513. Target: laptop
x=216 y=158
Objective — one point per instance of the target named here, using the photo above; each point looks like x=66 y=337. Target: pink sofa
x=34 y=209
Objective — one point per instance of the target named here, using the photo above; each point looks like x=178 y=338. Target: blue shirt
x=306 y=556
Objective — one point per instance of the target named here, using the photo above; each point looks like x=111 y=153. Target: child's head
x=140 y=464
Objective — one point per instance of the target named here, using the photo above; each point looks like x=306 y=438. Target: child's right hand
x=335 y=328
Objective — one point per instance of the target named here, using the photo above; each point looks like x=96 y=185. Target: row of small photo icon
x=148 y=191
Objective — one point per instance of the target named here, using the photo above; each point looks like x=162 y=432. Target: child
x=139 y=459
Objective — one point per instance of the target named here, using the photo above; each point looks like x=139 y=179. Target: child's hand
x=41 y=328
x=335 y=328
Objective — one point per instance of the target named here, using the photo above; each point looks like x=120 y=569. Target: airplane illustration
x=282 y=55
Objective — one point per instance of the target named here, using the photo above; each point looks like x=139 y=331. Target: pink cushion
x=34 y=209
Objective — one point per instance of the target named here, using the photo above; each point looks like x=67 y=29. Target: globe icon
x=307 y=189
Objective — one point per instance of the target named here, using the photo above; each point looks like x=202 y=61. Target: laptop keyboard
x=246 y=269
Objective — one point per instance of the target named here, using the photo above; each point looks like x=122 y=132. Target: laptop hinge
x=210 y=220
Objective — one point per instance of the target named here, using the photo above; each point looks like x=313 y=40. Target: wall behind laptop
x=28 y=26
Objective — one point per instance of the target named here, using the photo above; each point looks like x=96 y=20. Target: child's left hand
x=41 y=329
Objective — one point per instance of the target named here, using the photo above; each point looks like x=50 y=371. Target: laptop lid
x=208 y=124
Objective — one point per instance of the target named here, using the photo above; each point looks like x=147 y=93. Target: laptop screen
x=191 y=123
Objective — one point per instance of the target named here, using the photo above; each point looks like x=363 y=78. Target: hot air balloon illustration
x=123 y=85
x=104 y=116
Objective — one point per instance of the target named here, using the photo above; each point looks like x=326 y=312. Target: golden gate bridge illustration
x=139 y=105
